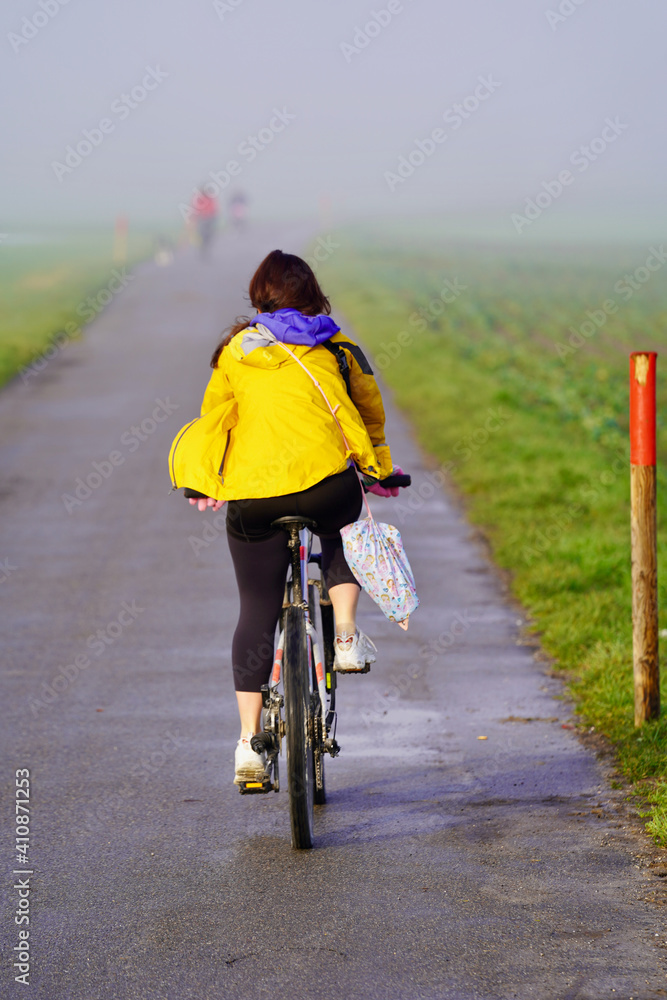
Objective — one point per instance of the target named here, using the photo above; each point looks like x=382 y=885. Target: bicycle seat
x=300 y=522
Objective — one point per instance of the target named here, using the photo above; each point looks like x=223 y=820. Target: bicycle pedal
x=365 y=670
x=256 y=787
x=331 y=746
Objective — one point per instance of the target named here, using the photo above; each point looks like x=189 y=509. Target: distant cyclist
x=205 y=217
x=238 y=209
x=285 y=456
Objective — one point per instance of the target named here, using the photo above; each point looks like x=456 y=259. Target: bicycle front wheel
x=298 y=737
x=320 y=791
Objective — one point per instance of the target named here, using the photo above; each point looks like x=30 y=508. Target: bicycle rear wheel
x=297 y=691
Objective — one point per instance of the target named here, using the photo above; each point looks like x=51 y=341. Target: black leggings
x=261 y=557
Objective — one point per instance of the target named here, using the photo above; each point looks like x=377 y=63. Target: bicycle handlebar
x=396 y=480
x=388 y=483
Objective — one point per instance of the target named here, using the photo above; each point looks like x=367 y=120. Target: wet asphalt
x=446 y=865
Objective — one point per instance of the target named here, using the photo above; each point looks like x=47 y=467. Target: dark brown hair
x=282 y=281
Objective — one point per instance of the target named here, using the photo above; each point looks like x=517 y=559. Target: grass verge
x=51 y=288
x=483 y=350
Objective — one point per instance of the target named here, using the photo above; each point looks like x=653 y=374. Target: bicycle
x=309 y=686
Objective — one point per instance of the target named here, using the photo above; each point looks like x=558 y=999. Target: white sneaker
x=354 y=656
x=248 y=765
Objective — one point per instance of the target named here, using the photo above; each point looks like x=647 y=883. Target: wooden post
x=120 y=240
x=643 y=531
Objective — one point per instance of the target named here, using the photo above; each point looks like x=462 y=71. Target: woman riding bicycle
x=284 y=455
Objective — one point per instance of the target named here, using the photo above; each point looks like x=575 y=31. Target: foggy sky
x=220 y=71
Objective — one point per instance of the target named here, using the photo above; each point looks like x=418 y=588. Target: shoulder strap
x=357 y=354
x=343 y=365
x=337 y=350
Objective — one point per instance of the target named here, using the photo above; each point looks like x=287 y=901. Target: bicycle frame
x=299 y=588
x=309 y=727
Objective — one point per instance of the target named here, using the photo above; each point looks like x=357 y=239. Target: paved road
x=446 y=866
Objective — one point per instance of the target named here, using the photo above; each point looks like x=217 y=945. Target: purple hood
x=290 y=326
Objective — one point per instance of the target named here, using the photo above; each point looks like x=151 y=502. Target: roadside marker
x=643 y=534
x=120 y=240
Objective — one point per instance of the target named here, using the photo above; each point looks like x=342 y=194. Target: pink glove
x=208 y=502
x=382 y=491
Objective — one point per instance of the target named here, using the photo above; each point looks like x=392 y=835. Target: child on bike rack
x=284 y=455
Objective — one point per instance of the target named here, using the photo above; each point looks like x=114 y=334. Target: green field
x=525 y=407
x=51 y=286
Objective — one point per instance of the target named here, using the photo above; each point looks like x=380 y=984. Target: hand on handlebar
x=383 y=491
x=205 y=502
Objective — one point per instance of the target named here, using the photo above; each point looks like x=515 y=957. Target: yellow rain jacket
x=265 y=429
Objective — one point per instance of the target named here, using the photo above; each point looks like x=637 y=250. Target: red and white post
x=643 y=531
